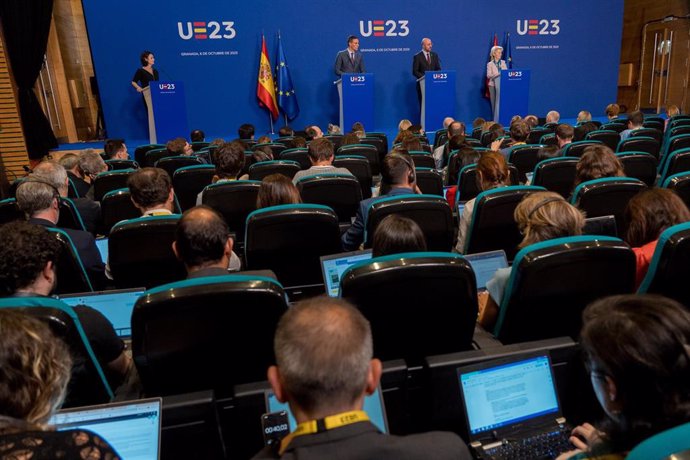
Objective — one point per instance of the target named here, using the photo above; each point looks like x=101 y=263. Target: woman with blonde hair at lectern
x=493 y=76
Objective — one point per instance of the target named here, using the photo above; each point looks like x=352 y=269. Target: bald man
x=425 y=60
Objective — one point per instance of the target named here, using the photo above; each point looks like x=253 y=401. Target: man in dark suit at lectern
x=350 y=60
x=425 y=60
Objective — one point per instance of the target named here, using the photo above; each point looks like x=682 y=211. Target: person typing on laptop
x=325 y=367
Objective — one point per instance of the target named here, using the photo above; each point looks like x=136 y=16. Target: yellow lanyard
x=325 y=424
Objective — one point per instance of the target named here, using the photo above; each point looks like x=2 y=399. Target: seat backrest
x=9 y=211
x=423 y=159
x=88 y=384
x=640 y=165
x=440 y=137
x=377 y=142
x=367 y=151
x=618 y=127
x=140 y=252
x=680 y=183
x=667 y=274
x=114 y=165
x=192 y=335
x=140 y=151
x=110 y=180
x=340 y=192
x=674 y=163
x=71 y=275
x=468 y=187
x=536 y=134
x=609 y=137
x=300 y=155
x=640 y=144
x=290 y=239
x=69 y=215
x=553 y=281
x=679 y=120
x=417 y=303
x=607 y=196
x=431 y=212
x=673 y=443
x=259 y=170
x=493 y=226
x=556 y=174
x=655 y=123
x=678 y=142
x=198 y=145
x=576 y=149
x=647 y=132
x=337 y=140
x=525 y=158
x=275 y=147
x=117 y=206
x=234 y=200
x=172 y=164
x=548 y=139
x=429 y=181
x=188 y=181
x=152 y=156
x=360 y=167
x=679 y=130
x=477 y=133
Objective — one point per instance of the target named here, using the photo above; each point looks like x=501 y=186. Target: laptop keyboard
x=542 y=446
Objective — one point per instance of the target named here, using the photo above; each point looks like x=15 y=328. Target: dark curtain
x=26 y=24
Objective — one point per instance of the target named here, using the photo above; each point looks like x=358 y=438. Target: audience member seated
x=584 y=116
x=54 y=174
x=115 y=149
x=333 y=129
x=277 y=189
x=612 y=111
x=299 y=142
x=635 y=121
x=564 y=135
x=671 y=111
x=321 y=157
x=637 y=350
x=596 y=162
x=197 y=136
x=229 y=160
x=286 y=131
x=396 y=234
x=28 y=254
x=404 y=125
x=151 y=191
x=358 y=129
x=203 y=244
x=550 y=151
x=70 y=162
x=179 y=146
x=412 y=144
x=541 y=216
x=264 y=140
x=350 y=139
x=581 y=131
x=325 y=368
x=532 y=121
x=441 y=153
x=246 y=132
x=36 y=367
x=519 y=132
x=89 y=165
x=38 y=199
x=553 y=117
x=397 y=178
x=402 y=135
x=492 y=172
x=313 y=132
x=648 y=214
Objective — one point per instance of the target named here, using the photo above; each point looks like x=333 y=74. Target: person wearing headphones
x=397 y=178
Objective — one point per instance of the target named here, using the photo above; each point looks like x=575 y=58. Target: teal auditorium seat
x=299 y=154
x=553 y=281
x=152 y=156
x=418 y=304
x=117 y=206
x=109 y=181
x=668 y=270
x=9 y=211
x=340 y=192
x=290 y=239
x=188 y=181
x=429 y=181
x=88 y=383
x=422 y=159
x=576 y=149
x=71 y=276
x=140 y=252
x=493 y=226
x=640 y=144
x=172 y=164
x=206 y=333
x=674 y=144
x=654 y=133
x=114 y=165
x=367 y=151
x=609 y=137
x=680 y=183
x=468 y=187
x=234 y=200
x=556 y=175
x=276 y=148
x=607 y=196
x=548 y=139
x=431 y=212
x=524 y=157
x=360 y=168
x=70 y=216
x=673 y=443
x=640 y=165
x=259 y=170
x=140 y=151
x=674 y=163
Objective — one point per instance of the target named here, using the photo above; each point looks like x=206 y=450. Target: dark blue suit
x=343 y=64
x=355 y=234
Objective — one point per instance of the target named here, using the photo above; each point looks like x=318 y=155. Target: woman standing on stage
x=493 y=76
x=146 y=73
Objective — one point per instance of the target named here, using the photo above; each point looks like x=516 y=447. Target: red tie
x=428 y=58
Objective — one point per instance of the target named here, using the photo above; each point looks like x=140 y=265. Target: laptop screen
x=498 y=394
x=334 y=265
x=116 y=306
x=102 y=245
x=373 y=406
x=133 y=428
x=485 y=265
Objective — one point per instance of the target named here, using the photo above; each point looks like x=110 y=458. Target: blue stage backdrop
x=572 y=49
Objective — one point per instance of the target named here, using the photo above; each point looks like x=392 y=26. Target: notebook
x=373 y=406
x=102 y=245
x=334 y=265
x=116 y=306
x=512 y=409
x=133 y=428
x=485 y=265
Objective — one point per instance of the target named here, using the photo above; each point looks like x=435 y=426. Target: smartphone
x=274 y=427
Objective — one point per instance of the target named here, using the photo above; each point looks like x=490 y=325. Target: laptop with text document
x=485 y=264
x=133 y=428
x=512 y=409
x=115 y=305
x=333 y=266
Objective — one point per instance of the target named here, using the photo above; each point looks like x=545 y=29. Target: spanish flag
x=266 y=88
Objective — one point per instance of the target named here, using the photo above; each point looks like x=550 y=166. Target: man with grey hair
x=553 y=117
x=55 y=174
x=325 y=368
x=91 y=164
x=441 y=152
x=39 y=200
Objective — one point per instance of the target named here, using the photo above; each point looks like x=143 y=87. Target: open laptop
x=133 y=428
x=116 y=306
x=485 y=265
x=334 y=265
x=102 y=245
x=512 y=409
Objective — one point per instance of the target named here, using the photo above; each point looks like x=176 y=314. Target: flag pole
x=286 y=120
x=270 y=118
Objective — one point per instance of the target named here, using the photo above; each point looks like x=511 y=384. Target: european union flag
x=287 y=101
x=507 y=53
